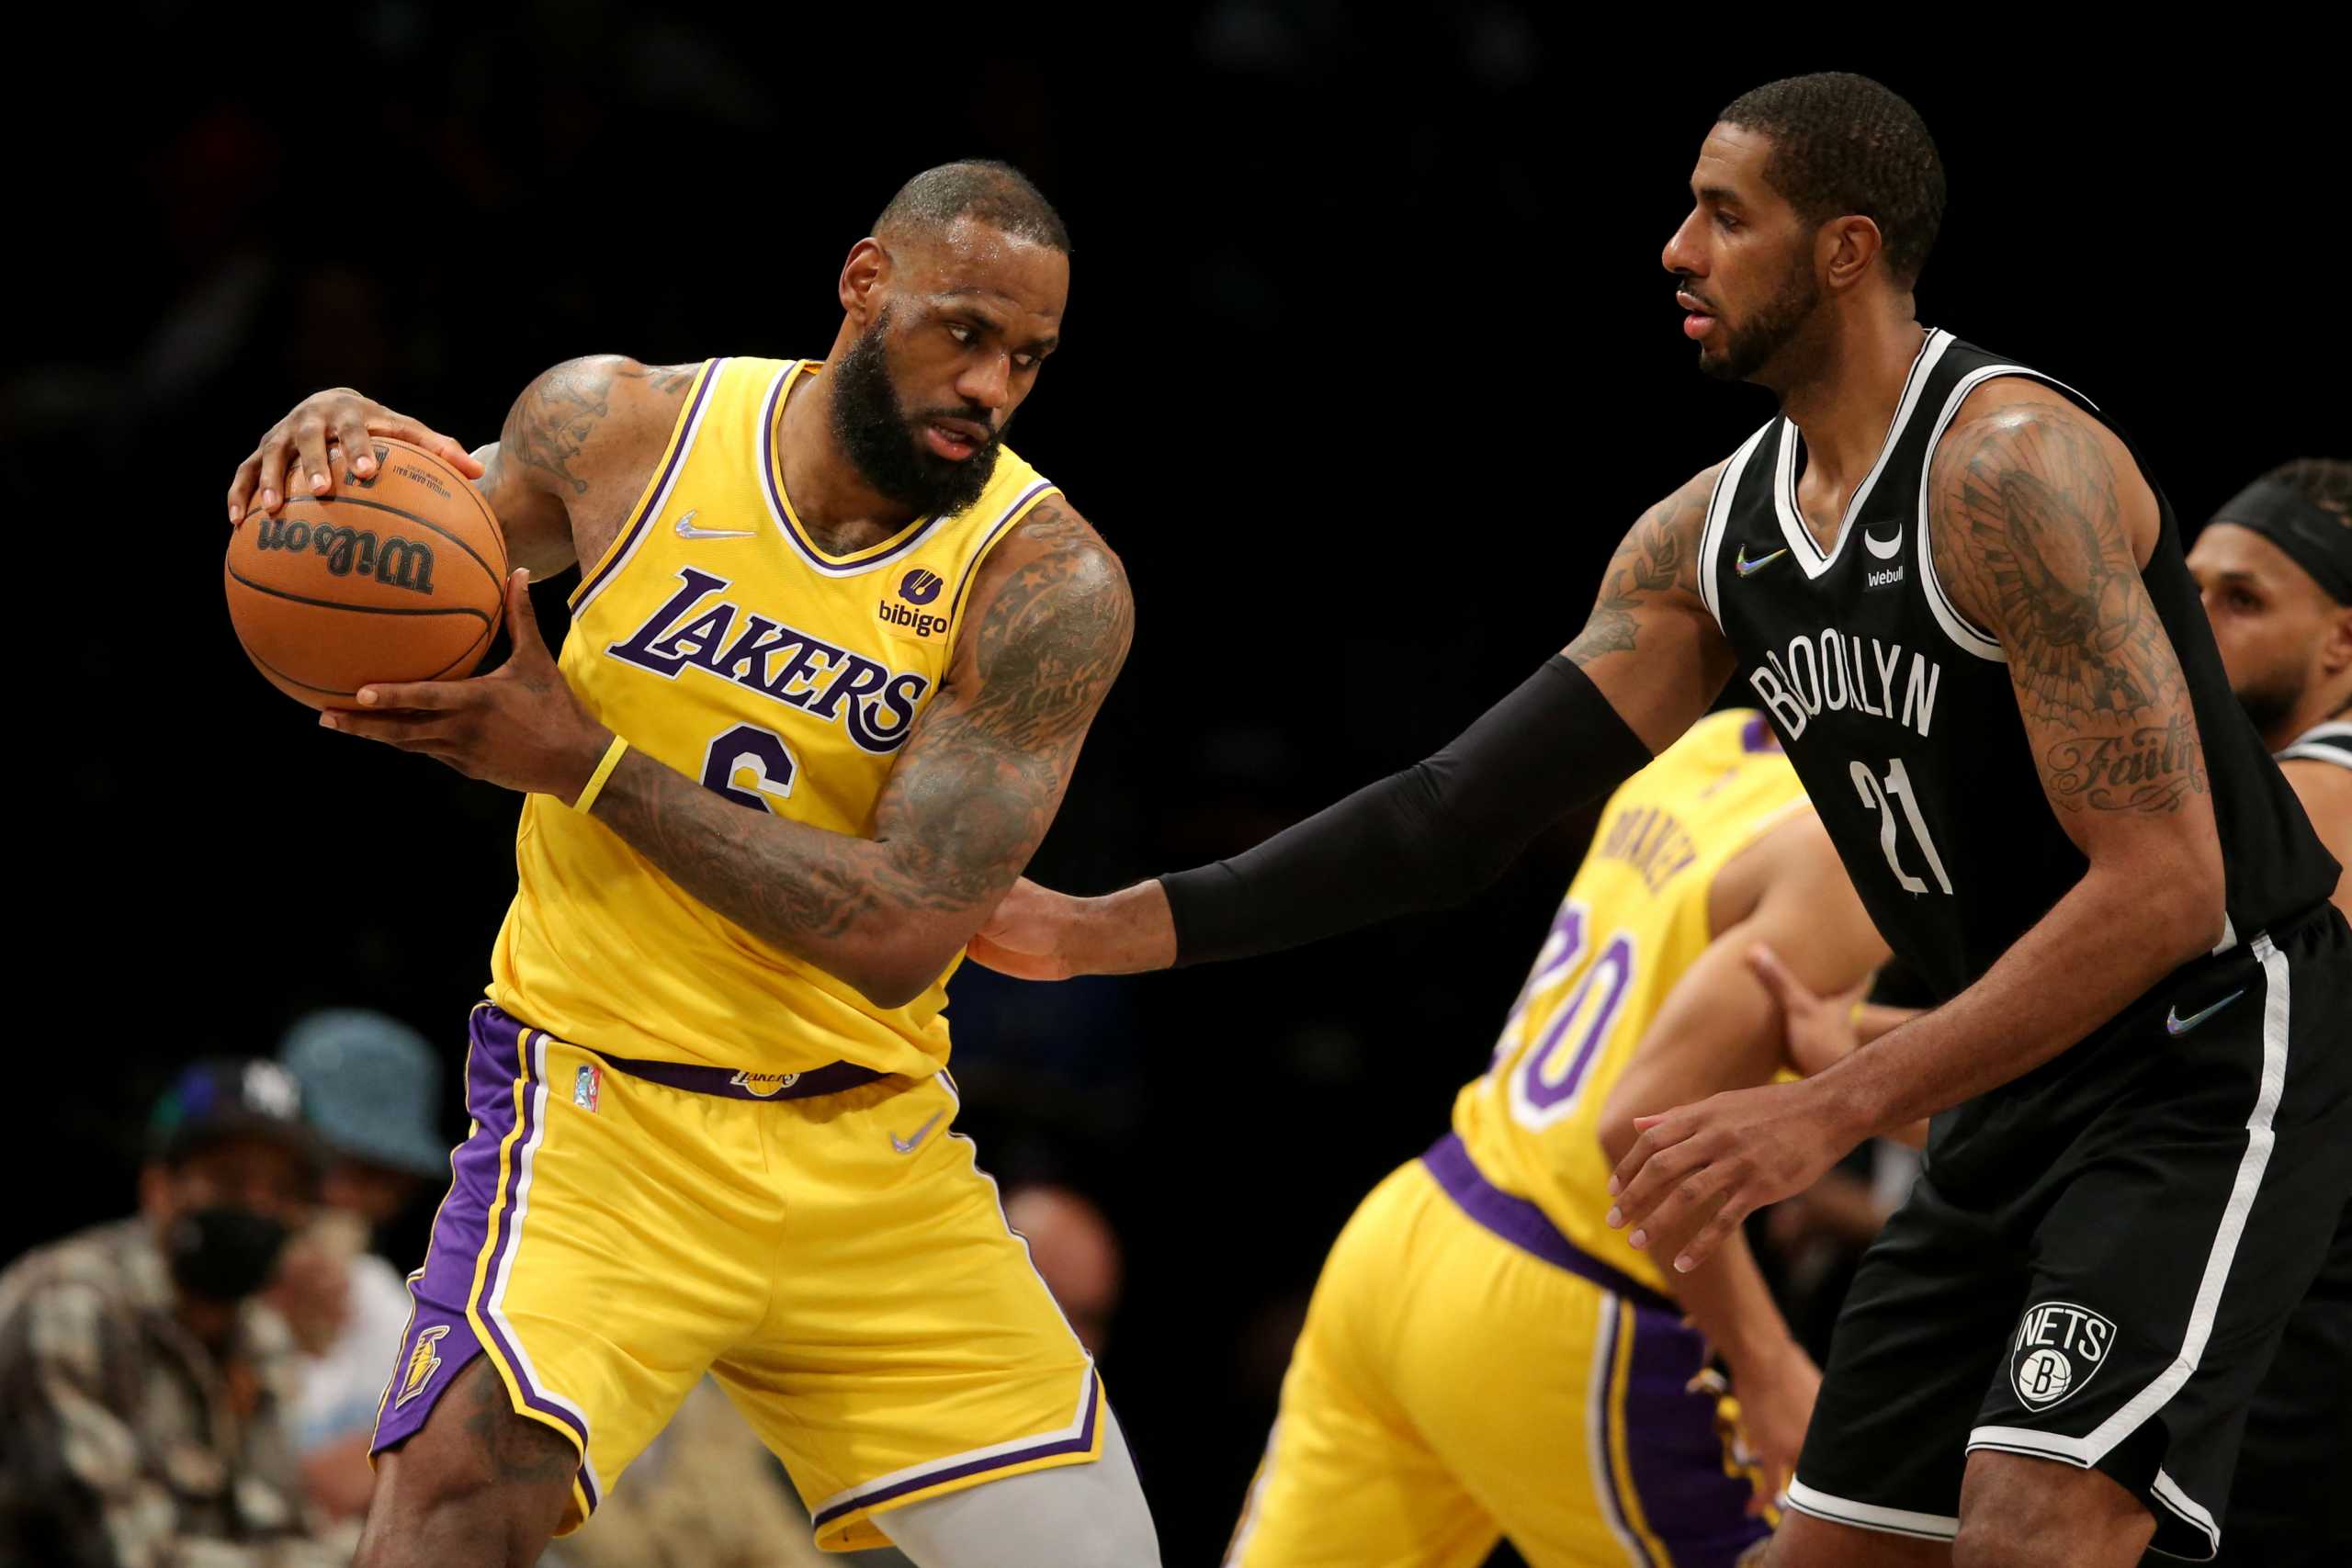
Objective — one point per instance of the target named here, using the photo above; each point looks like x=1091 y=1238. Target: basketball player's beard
x=1780 y=318
x=887 y=444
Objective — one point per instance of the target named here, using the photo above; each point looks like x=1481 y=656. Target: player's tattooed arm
x=2028 y=524
x=574 y=454
x=971 y=797
x=1650 y=644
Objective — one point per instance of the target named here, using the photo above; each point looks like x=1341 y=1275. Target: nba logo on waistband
x=764 y=1084
x=585 y=1087
x=423 y=1362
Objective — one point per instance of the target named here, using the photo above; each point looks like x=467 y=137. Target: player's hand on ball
x=294 y=451
x=1021 y=937
x=1820 y=1030
x=1697 y=1171
x=519 y=726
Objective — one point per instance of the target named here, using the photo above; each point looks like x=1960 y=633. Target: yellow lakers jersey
x=1635 y=917
x=717 y=637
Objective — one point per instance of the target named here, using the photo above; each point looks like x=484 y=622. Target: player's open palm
x=294 y=451
x=520 y=725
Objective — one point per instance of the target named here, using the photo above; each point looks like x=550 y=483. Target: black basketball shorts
x=2101 y=1259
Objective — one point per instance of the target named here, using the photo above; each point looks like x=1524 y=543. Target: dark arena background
x=1369 y=362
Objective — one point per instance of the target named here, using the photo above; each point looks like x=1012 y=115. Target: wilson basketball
x=397 y=577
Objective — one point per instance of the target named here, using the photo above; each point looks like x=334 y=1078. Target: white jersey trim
x=1802 y=544
x=1870 y=1516
x=1968 y=637
x=1711 y=537
x=2085 y=1452
x=2311 y=745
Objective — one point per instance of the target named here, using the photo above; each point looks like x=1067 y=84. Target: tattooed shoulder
x=1659 y=557
x=2028 y=532
x=588 y=432
x=1051 y=632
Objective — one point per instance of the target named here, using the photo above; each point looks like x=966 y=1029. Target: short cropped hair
x=994 y=193
x=2326 y=482
x=1843 y=144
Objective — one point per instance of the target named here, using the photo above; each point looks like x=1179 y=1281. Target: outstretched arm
x=2039 y=531
x=967 y=801
x=1648 y=661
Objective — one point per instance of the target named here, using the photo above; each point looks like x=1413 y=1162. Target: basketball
x=400 y=576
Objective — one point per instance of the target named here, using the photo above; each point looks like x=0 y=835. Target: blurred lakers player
x=832 y=658
x=1483 y=1356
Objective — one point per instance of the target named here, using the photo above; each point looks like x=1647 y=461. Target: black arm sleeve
x=1422 y=839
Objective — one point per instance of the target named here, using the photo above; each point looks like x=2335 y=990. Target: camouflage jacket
x=123 y=1441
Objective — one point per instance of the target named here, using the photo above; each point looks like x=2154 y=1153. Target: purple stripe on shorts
x=1525 y=1226
x=1078 y=1444
x=1608 y=1445
x=443 y=1288
x=1675 y=1456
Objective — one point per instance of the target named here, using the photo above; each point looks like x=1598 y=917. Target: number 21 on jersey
x=1569 y=1026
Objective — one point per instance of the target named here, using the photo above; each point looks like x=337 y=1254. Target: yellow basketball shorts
x=1460 y=1378
x=836 y=1261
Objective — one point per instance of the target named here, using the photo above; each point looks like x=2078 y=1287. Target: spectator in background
x=370 y=1084
x=1076 y=1254
x=141 y=1380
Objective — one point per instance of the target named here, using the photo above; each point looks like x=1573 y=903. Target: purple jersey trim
x=1082 y=1443
x=653 y=498
x=1696 y=1509
x=1610 y=1418
x=1525 y=1226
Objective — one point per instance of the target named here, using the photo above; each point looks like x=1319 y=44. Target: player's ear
x=2335 y=643
x=1845 y=247
x=863 y=277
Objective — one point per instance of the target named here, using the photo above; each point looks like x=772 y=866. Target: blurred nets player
x=2275 y=567
x=1483 y=1356
x=831 y=658
x=1947 y=579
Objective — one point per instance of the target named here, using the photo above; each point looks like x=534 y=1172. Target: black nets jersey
x=1899 y=715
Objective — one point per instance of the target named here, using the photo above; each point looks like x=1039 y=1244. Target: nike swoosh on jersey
x=1744 y=566
x=1887 y=551
x=2175 y=1024
x=686 y=529
x=907 y=1145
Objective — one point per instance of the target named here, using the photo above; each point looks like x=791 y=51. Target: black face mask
x=223 y=1253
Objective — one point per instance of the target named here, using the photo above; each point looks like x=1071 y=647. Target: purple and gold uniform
x=690 y=1150
x=1483 y=1355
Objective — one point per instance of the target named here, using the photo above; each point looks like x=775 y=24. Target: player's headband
x=2315 y=538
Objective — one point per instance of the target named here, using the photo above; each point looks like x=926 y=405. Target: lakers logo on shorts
x=764 y=1084
x=423 y=1362
x=2058 y=1348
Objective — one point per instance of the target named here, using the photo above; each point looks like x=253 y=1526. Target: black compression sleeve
x=1422 y=839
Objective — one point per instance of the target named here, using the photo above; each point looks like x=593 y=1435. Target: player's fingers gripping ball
x=397 y=575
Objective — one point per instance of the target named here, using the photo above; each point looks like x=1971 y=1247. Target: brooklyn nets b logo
x=2058 y=1348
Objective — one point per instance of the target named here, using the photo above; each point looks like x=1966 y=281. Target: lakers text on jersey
x=668 y=1112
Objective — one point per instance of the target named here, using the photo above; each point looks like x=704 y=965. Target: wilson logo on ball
x=920 y=586
x=396 y=562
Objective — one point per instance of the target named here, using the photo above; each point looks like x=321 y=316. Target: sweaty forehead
x=979 y=263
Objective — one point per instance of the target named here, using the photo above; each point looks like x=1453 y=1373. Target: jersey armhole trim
x=1711 y=535
x=1966 y=634
x=1023 y=504
x=656 y=494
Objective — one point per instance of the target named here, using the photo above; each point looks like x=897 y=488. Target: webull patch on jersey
x=2058 y=1348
